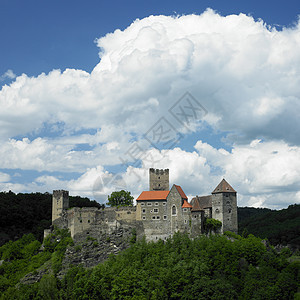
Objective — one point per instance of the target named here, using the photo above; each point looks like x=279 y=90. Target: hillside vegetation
x=280 y=227
x=215 y=267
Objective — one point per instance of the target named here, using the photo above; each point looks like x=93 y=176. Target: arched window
x=173 y=210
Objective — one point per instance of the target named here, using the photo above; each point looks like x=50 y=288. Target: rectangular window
x=156 y=210
x=164 y=203
x=144 y=210
x=156 y=203
x=158 y=217
x=185 y=221
x=142 y=204
x=165 y=217
x=153 y=217
x=149 y=203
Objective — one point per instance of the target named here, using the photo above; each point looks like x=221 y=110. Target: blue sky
x=86 y=84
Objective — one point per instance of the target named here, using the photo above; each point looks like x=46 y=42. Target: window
x=149 y=203
x=185 y=221
x=173 y=210
x=142 y=204
x=195 y=216
x=185 y=209
x=156 y=210
x=158 y=217
x=217 y=210
x=153 y=217
x=144 y=218
x=165 y=217
x=156 y=203
x=229 y=210
x=88 y=221
x=144 y=210
x=164 y=203
x=151 y=211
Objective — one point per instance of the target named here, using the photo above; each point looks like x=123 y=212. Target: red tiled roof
x=153 y=195
x=186 y=204
x=181 y=192
x=223 y=187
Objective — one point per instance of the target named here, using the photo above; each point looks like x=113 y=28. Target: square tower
x=60 y=202
x=158 y=179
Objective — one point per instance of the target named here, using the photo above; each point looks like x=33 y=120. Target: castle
x=158 y=214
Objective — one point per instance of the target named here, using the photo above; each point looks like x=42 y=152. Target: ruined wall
x=60 y=202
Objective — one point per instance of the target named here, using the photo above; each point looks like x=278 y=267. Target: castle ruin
x=158 y=214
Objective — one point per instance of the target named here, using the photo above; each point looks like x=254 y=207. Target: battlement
x=158 y=179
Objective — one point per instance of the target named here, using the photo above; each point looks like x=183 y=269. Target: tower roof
x=186 y=204
x=223 y=187
x=200 y=203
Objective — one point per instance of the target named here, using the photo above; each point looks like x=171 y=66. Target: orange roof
x=153 y=195
x=181 y=192
x=186 y=204
x=223 y=187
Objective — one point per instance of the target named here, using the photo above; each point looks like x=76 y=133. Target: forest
x=215 y=267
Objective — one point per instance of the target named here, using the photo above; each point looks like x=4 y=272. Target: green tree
x=120 y=198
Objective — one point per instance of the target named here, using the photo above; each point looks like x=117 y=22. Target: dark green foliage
x=279 y=227
x=24 y=256
x=212 y=267
x=212 y=225
x=120 y=198
x=30 y=213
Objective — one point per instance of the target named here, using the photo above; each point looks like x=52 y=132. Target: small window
x=149 y=203
x=151 y=211
x=156 y=210
x=156 y=203
x=80 y=221
x=185 y=209
x=89 y=221
x=174 y=210
x=142 y=204
x=195 y=216
x=165 y=217
x=229 y=210
x=164 y=203
x=217 y=210
x=144 y=210
x=153 y=217
x=158 y=217
x=158 y=177
x=144 y=218
x=185 y=221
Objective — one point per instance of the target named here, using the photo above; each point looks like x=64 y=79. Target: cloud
x=9 y=74
x=243 y=72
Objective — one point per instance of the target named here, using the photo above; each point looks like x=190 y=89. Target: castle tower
x=158 y=179
x=224 y=206
x=60 y=201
